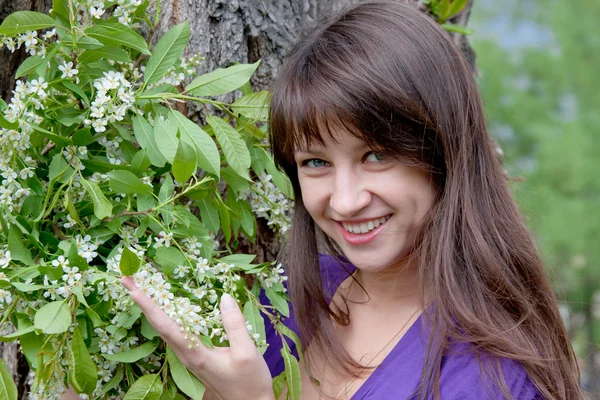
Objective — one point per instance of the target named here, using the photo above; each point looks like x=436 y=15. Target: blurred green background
x=539 y=62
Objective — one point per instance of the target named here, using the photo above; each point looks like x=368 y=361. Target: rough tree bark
x=223 y=31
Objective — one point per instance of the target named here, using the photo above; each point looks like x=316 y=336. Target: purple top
x=399 y=374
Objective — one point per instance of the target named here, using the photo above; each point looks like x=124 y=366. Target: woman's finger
x=242 y=346
x=162 y=323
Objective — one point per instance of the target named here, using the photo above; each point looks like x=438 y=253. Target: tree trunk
x=223 y=31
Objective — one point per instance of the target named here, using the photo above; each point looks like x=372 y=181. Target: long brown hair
x=389 y=74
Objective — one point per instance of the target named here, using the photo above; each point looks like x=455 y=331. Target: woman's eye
x=373 y=157
x=315 y=163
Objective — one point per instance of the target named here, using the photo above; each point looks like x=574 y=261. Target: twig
x=123 y=214
x=48 y=147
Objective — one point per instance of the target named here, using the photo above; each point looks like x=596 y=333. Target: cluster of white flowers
x=5 y=297
x=268 y=202
x=33 y=44
x=95 y=8
x=113 y=151
x=15 y=164
x=86 y=247
x=71 y=276
x=4 y=257
x=124 y=10
x=272 y=276
x=67 y=70
x=193 y=320
x=74 y=154
x=114 y=97
x=177 y=73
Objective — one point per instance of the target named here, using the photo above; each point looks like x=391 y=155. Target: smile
x=366 y=226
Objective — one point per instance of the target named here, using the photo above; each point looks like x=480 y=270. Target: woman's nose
x=349 y=195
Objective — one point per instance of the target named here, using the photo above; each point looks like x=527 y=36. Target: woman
x=434 y=288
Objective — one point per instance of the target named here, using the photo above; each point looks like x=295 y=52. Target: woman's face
x=371 y=206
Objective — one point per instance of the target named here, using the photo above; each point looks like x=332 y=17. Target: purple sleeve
x=462 y=378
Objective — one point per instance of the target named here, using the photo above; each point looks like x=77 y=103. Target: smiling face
x=370 y=205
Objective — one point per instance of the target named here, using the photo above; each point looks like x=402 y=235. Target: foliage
x=103 y=175
x=444 y=10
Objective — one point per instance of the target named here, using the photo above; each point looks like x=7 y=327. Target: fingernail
x=228 y=303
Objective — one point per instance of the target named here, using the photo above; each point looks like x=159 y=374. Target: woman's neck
x=394 y=287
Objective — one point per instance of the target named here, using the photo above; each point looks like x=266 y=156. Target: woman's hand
x=229 y=373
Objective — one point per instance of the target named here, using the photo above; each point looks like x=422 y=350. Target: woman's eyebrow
x=309 y=150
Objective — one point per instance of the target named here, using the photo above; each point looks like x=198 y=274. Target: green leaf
x=206 y=149
x=209 y=215
x=248 y=219
x=144 y=133
x=83 y=42
x=254 y=106
x=17 y=248
x=148 y=330
x=83 y=373
x=169 y=258
x=102 y=206
x=129 y=263
x=8 y=389
x=235 y=182
x=292 y=374
x=184 y=164
x=278 y=301
x=444 y=7
x=53 y=317
x=167 y=189
x=165 y=135
x=104 y=53
x=128 y=318
x=279 y=178
x=115 y=33
x=59 y=140
x=58 y=168
x=167 y=51
x=135 y=354
x=278 y=385
x=29 y=288
x=184 y=379
x=253 y=316
x=225 y=219
x=292 y=335
x=222 y=80
x=97 y=165
x=126 y=182
x=148 y=387
x=12 y=336
x=455 y=7
x=82 y=137
x=458 y=29
x=29 y=65
x=23 y=21
x=140 y=162
x=8 y=125
x=234 y=148
x=79 y=92
x=114 y=381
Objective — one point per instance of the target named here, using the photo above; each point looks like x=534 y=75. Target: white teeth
x=365 y=226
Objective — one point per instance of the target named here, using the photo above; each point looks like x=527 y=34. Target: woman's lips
x=361 y=238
